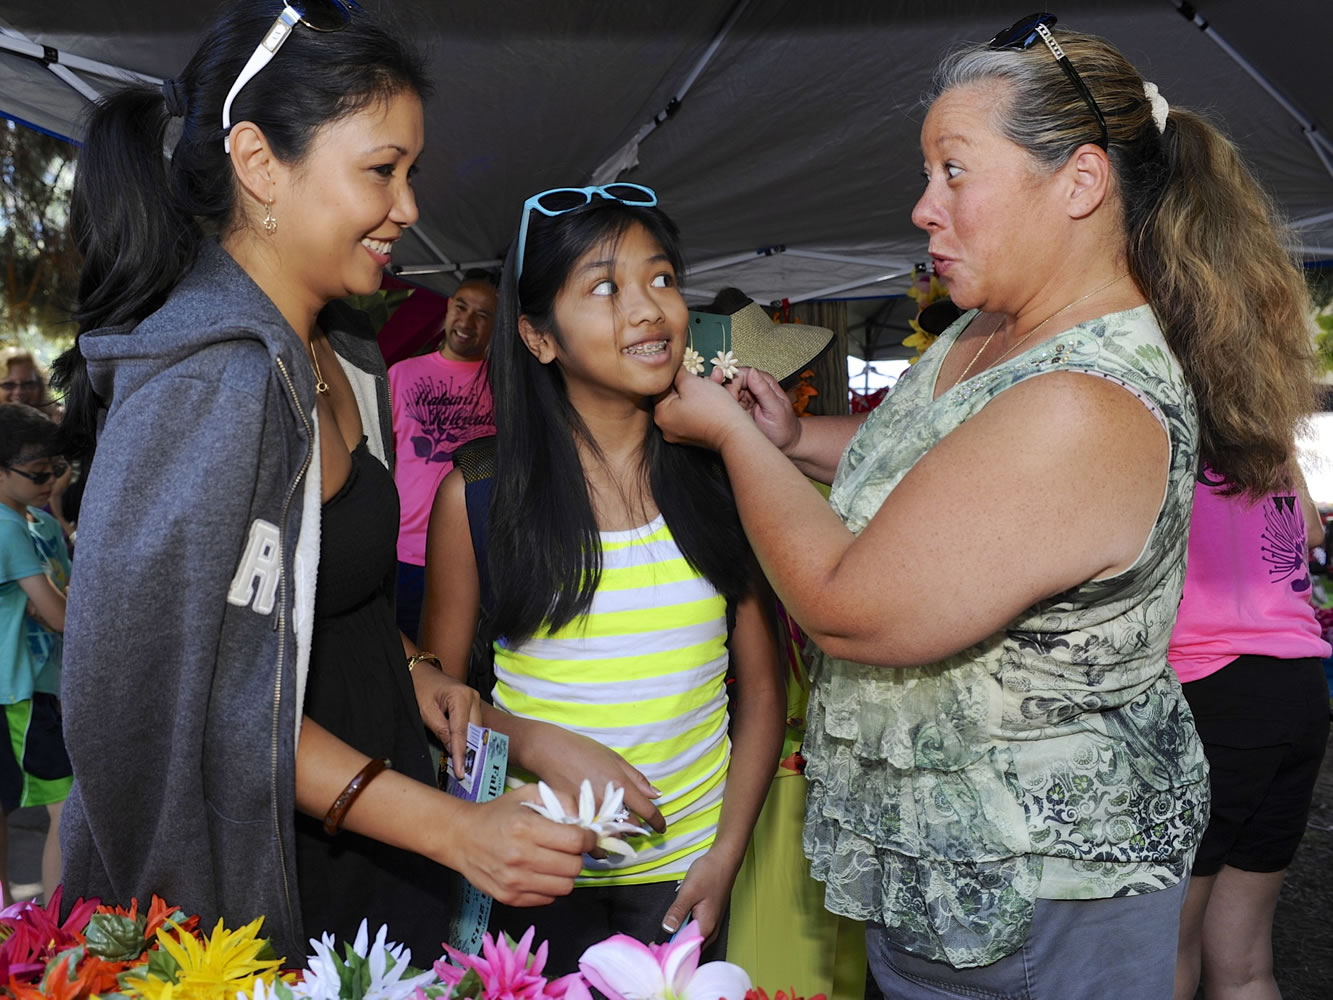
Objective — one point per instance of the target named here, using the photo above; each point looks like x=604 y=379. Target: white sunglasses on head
x=317 y=15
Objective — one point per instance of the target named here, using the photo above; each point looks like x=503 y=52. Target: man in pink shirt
x=440 y=401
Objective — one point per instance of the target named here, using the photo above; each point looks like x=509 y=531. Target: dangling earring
x=270 y=223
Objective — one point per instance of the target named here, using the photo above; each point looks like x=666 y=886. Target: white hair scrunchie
x=1159 y=106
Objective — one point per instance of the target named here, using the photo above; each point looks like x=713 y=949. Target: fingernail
x=670 y=925
x=657 y=792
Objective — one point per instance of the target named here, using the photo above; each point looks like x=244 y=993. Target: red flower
x=33 y=934
x=758 y=994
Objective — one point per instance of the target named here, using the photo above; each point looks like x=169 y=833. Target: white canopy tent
x=780 y=134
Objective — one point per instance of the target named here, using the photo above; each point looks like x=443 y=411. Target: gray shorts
x=1099 y=949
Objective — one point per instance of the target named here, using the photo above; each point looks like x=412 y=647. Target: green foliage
x=40 y=264
x=1324 y=341
x=380 y=305
x=116 y=938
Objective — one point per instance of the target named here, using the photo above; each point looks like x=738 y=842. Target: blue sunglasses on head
x=558 y=201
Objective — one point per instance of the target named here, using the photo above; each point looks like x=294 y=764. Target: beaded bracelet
x=333 y=819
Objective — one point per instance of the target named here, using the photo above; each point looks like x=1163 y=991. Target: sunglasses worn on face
x=317 y=15
x=1024 y=33
x=558 y=201
x=58 y=469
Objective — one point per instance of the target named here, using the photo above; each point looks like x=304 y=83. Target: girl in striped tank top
x=617 y=583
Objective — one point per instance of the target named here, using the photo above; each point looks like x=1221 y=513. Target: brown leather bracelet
x=333 y=819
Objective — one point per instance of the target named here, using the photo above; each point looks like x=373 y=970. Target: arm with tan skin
x=757 y=728
x=449 y=618
x=1070 y=469
x=45 y=601
x=501 y=846
x=1314 y=523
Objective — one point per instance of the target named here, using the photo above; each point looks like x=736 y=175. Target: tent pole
x=838 y=258
x=1312 y=220
x=847 y=286
x=412 y=270
x=735 y=258
x=445 y=264
x=60 y=63
x=1320 y=142
x=628 y=155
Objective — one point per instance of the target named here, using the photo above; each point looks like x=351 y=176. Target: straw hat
x=781 y=349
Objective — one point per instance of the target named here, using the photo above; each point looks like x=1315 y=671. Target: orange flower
x=159 y=912
x=57 y=986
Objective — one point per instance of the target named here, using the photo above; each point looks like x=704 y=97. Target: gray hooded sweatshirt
x=192 y=598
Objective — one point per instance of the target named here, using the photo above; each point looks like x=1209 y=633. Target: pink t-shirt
x=1247 y=585
x=437 y=405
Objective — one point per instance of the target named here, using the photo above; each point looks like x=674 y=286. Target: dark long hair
x=545 y=555
x=139 y=220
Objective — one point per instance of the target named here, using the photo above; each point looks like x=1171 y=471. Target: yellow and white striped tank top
x=642 y=673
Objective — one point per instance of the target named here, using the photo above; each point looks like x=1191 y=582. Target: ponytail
x=139 y=220
x=136 y=244
x=1202 y=240
x=1210 y=258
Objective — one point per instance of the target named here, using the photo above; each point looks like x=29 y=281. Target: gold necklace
x=320 y=385
x=1082 y=298
x=980 y=350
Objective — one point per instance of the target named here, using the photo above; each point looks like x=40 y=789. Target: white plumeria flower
x=323 y=982
x=607 y=822
x=727 y=362
x=693 y=362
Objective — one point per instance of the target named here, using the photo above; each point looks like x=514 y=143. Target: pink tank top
x=1247 y=585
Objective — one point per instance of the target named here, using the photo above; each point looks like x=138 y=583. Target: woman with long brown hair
x=1004 y=777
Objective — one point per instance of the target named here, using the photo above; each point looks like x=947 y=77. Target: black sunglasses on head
x=1024 y=33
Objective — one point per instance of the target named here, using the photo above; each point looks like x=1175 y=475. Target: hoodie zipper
x=282 y=640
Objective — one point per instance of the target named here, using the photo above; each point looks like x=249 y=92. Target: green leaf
x=353 y=974
x=380 y=305
x=469 y=986
x=66 y=964
x=115 y=938
x=160 y=965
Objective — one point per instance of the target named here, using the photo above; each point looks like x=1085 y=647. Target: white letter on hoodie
x=256 y=579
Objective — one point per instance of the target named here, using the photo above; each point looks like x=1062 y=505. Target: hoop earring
x=270 y=223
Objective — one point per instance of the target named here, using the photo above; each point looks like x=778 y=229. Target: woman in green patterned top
x=1005 y=780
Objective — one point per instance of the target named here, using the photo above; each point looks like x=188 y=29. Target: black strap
x=476 y=460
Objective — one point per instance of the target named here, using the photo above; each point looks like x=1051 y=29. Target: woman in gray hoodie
x=232 y=671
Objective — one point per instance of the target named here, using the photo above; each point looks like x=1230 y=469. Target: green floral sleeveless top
x=1056 y=759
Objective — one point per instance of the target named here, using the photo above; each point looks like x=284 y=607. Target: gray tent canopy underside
x=792 y=163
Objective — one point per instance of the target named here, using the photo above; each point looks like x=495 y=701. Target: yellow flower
x=919 y=339
x=219 y=968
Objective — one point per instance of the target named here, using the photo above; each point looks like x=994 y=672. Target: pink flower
x=507 y=972
x=33 y=934
x=626 y=969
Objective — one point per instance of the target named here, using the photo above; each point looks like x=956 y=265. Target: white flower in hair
x=727 y=362
x=693 y=362
x=608 y=822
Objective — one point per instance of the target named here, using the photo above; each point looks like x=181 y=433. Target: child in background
x=34 y=573
x=617 y=582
